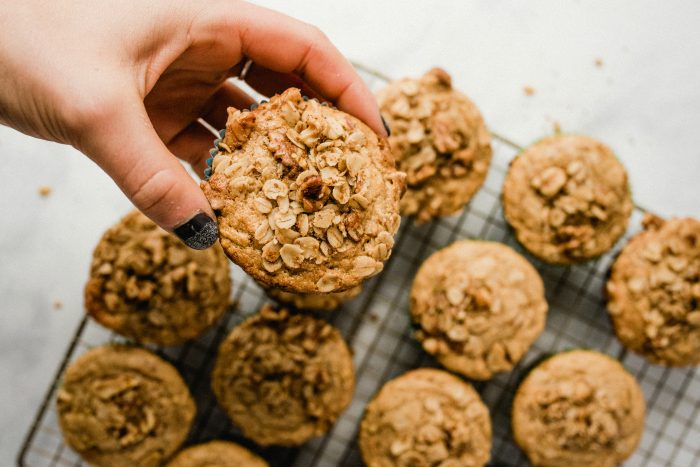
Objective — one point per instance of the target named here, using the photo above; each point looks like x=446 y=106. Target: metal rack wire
x=376 y=326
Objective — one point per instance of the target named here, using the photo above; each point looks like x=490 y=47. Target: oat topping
x=124 y=406
x=578 y=408
x=306 y=195
x=654 y=292
x=440 y=141
x=428 y=418
x=314 y=302
x=567 y=198
x=147 y=285
x=478 y=307
x=283 y=378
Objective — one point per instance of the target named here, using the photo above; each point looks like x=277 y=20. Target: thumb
x=130 y=151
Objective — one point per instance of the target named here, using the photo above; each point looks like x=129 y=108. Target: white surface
x=644 y=101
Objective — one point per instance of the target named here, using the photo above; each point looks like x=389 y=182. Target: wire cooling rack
x=376 y=326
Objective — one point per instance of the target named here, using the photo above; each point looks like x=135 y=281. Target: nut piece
x=307 y=171
x=426 y=417
x=276 y=364
x=578 y=408
x=439 y=139
x=567 y=198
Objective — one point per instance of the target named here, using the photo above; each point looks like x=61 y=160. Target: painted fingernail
x=386 y=126
x=198 y=233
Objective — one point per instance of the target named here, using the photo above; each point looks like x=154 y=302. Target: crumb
x=528 y=90
x=598 y=62
x=57 y=304
x=373 y=317
x=44 y=191
x=556 y=126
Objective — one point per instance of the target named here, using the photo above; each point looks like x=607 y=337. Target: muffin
x=567 y=198
x=283 y=378
x=306 y=195
x=578 y=408
x=314 y=302
x=124 y=406
x=426 y=417
x=654 y=292
x=477 y=307
x=145 y=284
x=216 y=454
x=439 y=139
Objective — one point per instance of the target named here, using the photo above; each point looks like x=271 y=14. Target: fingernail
x=386 y=126
x=198 y=233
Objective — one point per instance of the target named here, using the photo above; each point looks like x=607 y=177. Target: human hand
x=125 y=82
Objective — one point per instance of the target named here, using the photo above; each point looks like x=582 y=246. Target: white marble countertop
x=644 y=101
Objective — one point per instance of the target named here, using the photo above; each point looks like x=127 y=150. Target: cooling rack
x=376 y=326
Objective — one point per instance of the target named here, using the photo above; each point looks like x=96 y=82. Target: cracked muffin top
x=567 y=198
x=216 y=454
x=122 y=406
x=306 y=195
x=578 y=408
x=426 y=417
x=654 y=292
x=283 y=378
x=478 y=307
x=147 y=285
x=439 y=139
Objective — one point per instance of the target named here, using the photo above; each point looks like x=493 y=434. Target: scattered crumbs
x=556 y=126
x=373 y=317
x=528 y=90
x=598 y=62
x=44 y=191
x=57 y=304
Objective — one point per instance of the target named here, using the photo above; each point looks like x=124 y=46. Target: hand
x=125 y=82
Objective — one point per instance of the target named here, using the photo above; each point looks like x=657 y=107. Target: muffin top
x=306 y=195
x=654 y=292
x=567 y=198
x=314 y=302
x=124 y=406
x=147 y=285
x=426 y=417
x=578 y=408
x=477 y=306
x=439 y=139
x=283 y=378
x=216 y=454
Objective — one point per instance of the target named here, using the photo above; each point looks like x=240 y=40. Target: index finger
x=286 y=45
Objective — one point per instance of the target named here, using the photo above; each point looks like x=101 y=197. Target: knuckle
x=148 y=191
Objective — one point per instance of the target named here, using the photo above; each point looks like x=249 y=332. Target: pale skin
x=124 y=81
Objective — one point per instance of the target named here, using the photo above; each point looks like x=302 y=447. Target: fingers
x=131 y=152
x=269 y=83
x=286 y=45
x=192 y=145
x=229 y=95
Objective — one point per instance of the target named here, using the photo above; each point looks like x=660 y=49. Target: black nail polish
x=386 y=126
x=198 y=233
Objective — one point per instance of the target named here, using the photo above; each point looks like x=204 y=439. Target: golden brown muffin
x=439 y=139
x=654 y=292
x=306 y=195
x=283 y=378
x=567 y=198
x=124 y=406
x=216 y=454
x=478 y=306
x=147 y=285
x=426 y=417
x=578 y=408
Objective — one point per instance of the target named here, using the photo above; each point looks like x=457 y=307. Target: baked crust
x=314 y=302
x=216 y=453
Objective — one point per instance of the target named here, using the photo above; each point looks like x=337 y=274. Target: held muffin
x=567 y=198
x=124 y=406
x=283 y=378
x=314 y=302
x=148 y=286
x=578 y=408
x=477 y=307
x=216 y=454
x=426 y=417
x=306 y=195
x=654 y=292
x=439 y=139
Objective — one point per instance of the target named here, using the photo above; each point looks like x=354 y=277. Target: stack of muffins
x=308 y=201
